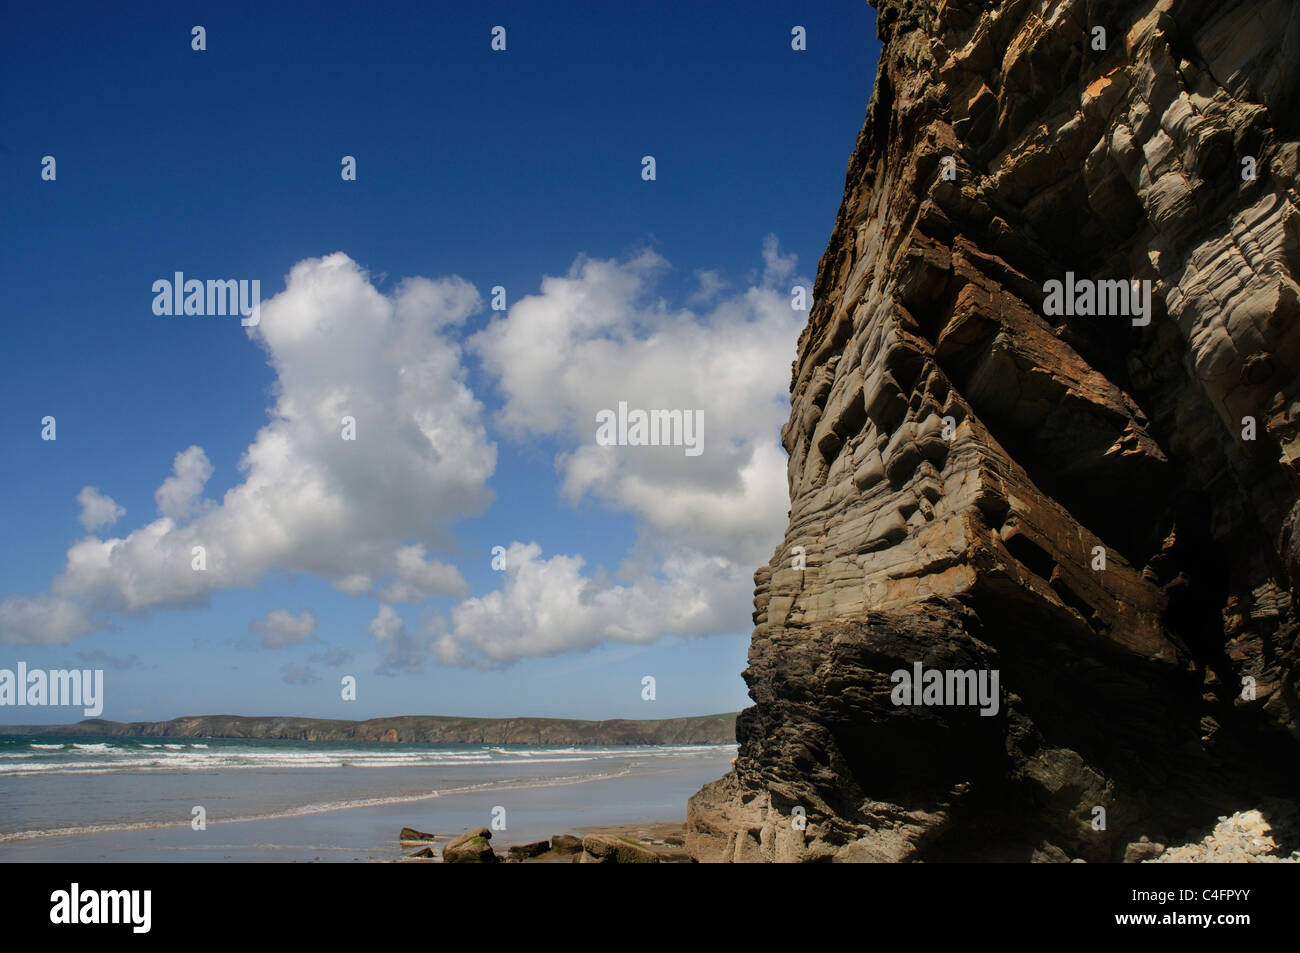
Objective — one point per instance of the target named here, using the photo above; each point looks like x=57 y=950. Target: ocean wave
x=46 y=747
x=173 y=761
x=162 y=757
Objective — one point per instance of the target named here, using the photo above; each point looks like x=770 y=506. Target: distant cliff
x=1045 y=426
x=430 y=729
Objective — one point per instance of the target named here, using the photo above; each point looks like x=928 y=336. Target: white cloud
x=711 y=285
x=777 y=267
x=403 y=652
x=345 y=510
x=594 y=338
x=547 y=607
x=366 y=514
x=97 y=510
x=42 y=618
x=178 y=496
x=418 y=580
x=597 y=337
x=281 y=627
x=354 y=585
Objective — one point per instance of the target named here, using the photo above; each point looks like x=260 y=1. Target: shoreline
x=288 y=814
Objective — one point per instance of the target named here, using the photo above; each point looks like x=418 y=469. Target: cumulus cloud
x=418 y=579
x=282 y=628
x=548 y=606
x=179 y=494
x=711 y=284
x=777 y=267
x=349 y=511
x=594 y=338
x=371 y=514
x=401 y=650
x=97 y=510
x=598 y=337
x=42 y=618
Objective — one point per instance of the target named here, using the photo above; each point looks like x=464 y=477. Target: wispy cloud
x=281 y=627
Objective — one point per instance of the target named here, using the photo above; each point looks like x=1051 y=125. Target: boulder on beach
x=472 y=847
x=606 y=849
x=523 y=851
x=566 y=844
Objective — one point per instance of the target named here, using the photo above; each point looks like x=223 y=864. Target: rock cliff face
x=1098 y=508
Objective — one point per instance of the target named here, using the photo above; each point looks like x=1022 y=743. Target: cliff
x=424 y=729
x=1096 y=507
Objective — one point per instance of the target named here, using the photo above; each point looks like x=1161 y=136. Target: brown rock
x=1049 y=854
x=1142 y=850
x=472 y=847
x=960 y=459
x=522 y=851
x=411 y=835
x=566 y=844
x=606 y=849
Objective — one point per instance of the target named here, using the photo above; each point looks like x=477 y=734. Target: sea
x=88 y=798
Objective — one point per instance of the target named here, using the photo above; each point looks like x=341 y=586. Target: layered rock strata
x=1098 y=508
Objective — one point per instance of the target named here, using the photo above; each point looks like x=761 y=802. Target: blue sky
x=475 y=427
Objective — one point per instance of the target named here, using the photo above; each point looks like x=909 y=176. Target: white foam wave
x=83 y=758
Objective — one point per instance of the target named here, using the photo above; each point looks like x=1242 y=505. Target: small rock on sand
x=472 y=847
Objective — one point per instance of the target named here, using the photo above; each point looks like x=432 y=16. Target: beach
x=88 y=799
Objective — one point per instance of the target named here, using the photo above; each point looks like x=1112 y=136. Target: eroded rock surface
x=957 y=459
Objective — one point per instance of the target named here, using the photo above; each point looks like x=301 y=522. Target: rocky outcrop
x=1095 y=503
